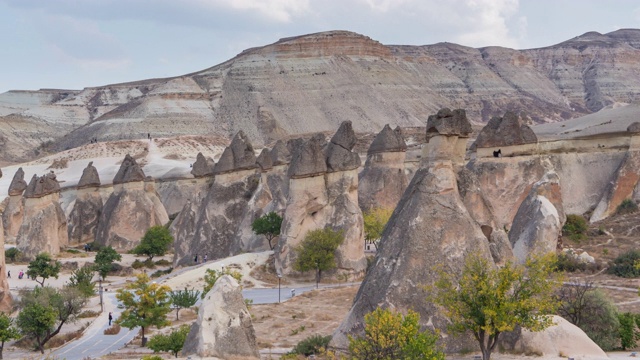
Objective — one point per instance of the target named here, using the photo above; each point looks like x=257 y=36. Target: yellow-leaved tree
x=374 y=222
x=488 y=301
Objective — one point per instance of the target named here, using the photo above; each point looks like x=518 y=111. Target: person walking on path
x=9 y=274
x=205 y=259
x=195 y=260
x=110 y=318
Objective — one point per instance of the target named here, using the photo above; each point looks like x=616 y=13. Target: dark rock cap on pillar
x=239 y=155
x=308 y=157
x=41 y=186
x=505 y=131
x=264 y=160
x=388 y=140
x=129 y=171
x=17 y=184
x=203 y=166
x=339 y=155
x=280 y=154
x=90 y=177
x=449 y=123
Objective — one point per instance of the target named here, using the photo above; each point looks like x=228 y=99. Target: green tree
x=317 y=251
x=145 y=304
x=63 y=305
x=374 y=222
x=173 y=342
x=389 y=335
x=105 y=257
x=43 y=266
x=487 y=301
x=8 y=332
x=211 y=276
x=12 y=254
x=268 y=225
x=627 y=331
x=81 y=279
x=155 y=242
x=183 y=299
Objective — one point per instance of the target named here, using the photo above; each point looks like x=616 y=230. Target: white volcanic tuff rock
x=44 y=226
x=429 y=226
x=130 y=210
x=83 y=219
x=5 y=295
x=175 y=194
x=561 y=339
x=539 y=220
x=12 y=217
x=208 y=224
x=223 y=328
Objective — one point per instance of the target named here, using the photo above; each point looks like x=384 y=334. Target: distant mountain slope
x=313 y=82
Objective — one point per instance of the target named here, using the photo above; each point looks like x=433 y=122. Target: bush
x=73 y=251
x=163 y=262
x=312 y=345
x=94 y=246
x=627 y=206
x=569 y=263
x=112 y=330
x=624 y=265
x=161 y=272
x=575 y=228
x=88 y=314
x=137 y=264
x=627 y=330
x=12 y=254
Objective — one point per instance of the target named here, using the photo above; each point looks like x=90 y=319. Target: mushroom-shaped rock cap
x=203 y=166
x=634 y=128
x=339 y=155
x=239 y=155
x=308 y=157
x=388 y=140
x=505 y=131
x=129 y=171
x=17 y=184
x=264 y=160
x=90 y=177
x=449 y=123
x=41 y=186
x=280 y=154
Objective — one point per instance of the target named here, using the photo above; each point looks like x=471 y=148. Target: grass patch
x=112 y=330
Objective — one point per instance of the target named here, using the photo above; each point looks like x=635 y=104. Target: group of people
x=204 y=259
x=20 y=274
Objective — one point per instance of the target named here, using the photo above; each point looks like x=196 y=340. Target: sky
x=72 y=44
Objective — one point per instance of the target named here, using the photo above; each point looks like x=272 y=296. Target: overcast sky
x=72 y=44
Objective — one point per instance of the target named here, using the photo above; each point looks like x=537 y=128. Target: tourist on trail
x=195 y=259
x=110 y=318
x=205 y=257
x=9 y=274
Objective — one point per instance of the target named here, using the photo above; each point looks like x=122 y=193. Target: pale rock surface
x=474 y=200
x=6 y=300
x=223 y=328
x=203 y=166
x=539 y=220
x=339 y=155
x=383 y=180
x=83 y=219
x=562 y=339
x=132 y=208
x=17 y=183
x=264 y=160
x=505 y=131
x=307 y=158
x=14 y=211
x=501 y=250
x=44 y=225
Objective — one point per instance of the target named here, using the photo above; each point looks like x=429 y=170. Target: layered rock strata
x=132 y=208
x=539 y=220
x=223 y=329
x=383 y=180
x=209 y=223
x=430 y=227
x=14 y=211
x=323 y=191
x=84 y=216
x=44 y=225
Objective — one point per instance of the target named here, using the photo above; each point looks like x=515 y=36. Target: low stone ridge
x=203 y=166
x=429 y=226
x=41 y=186
x=129 y=171
x=90 y=177
x=308 y=157
x=505 y=131
x=448 y=122
x=561 y=338
x=239 y=155
x=388 y=140
x=280 y=154
x=223 y=329
x=539 y=220
x=264 y=160
x=17 y=183
x=339 y=154
x=634 y=128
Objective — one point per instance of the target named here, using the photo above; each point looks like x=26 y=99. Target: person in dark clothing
x=195 y=259
x=110 y=318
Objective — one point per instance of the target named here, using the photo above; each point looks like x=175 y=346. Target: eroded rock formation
x=223 y=329
x=14 y=211
x=505 y=131
x=44 y=225
x=5 y=294
x=239 y=155
x=203 y=166
x=383 y=180
x=132 y=208
x=83 y=219
x=539 y=220
x=323 y=191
